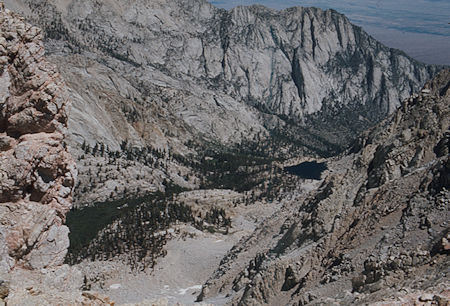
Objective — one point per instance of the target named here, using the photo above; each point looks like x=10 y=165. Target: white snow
x=115 y=286
x=184 y=291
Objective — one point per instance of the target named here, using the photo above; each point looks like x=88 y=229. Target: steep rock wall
x=169 y=74
x=300 y=65
x=378 y=221
x=37 y=173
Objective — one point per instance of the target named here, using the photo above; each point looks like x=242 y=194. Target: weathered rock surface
x=168 y=73
x=51 y=286
x=37 y=173
x=376 y=230
x=164 y=74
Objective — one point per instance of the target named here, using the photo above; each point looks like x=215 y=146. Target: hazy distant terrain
x=418 y=27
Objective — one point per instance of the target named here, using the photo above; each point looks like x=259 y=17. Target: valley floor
x=192 y=257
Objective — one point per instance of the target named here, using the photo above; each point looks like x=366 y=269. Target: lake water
x=307 y=170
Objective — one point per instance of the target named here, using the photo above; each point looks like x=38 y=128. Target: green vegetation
x=134 y=228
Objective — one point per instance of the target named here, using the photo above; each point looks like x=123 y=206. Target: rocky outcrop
x=298 y=65
x=169 y=74
x=378 y=221
x=151 y=80
x=37 y=173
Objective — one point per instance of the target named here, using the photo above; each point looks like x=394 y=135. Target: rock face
x=167 y=74
x=378 y=221
x=290 y=64
x=36 y=171
x=154 y=79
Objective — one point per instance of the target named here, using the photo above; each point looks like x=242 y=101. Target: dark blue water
x=308 y=170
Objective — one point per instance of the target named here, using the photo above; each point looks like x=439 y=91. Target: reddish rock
x=37 y=173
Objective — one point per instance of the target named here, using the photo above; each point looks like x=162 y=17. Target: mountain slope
x=169 y=74
x=178 y=95
x=378 y=221
x=291 y=63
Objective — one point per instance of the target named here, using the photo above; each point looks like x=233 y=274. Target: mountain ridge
x=183 y=119
x=216 y=67
x=364 y=229
x=166 y=75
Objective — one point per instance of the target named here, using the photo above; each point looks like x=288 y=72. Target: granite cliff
x=37 y=173
x=182 y=76
x=36 y=170
x=208 y=105
x=375 y=230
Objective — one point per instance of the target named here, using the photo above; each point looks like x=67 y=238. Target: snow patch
x=184 y=291
x=115 y=286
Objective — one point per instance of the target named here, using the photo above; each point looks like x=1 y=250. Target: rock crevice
x=37 y=173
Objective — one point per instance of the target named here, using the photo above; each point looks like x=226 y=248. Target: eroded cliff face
x=169 y=74
x=37 y=173
x=376 y=229
x=300 y=64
